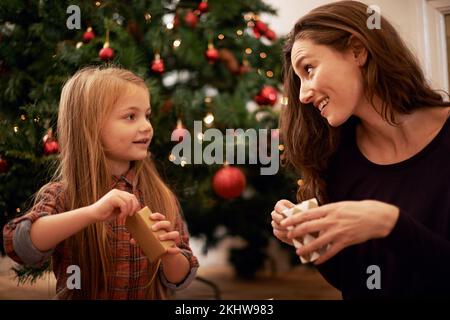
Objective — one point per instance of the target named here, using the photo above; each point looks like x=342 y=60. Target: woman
x=371 y=140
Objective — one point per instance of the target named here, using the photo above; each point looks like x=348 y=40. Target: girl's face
x=127 y=132
x=330 y=80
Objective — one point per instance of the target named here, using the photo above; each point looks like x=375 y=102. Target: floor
x=299 y=283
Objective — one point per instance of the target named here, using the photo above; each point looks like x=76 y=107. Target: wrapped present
x=301 y=241
x=140 y=227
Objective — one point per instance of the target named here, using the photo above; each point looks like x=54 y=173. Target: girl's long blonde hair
x=86 y=99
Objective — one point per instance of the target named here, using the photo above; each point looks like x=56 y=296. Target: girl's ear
x=358 y=50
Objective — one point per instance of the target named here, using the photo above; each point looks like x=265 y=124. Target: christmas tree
x=211 y=61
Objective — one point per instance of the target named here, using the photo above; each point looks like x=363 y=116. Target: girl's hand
x=169 y=234
x=277 y=216
x=342 y=224
x=116 y=204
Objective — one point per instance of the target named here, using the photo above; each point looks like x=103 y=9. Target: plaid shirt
x=130 y=265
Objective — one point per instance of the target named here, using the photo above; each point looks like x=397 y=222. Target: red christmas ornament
x=229 y=182
x=259 y=100
x=270 y=34
x=267 y=95
x=256 y=33
x=3 y=165
x=203 y=6
x=88 y=35
x=50 y=144
x=261 y=27
x=212 y=54
x=191 y=19
x=179 y=133
x=176 y=21
x=157 y=65
x=106 y=53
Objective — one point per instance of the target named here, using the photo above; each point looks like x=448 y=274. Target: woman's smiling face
x=330 y=80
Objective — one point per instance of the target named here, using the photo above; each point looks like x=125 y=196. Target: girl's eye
x=308 y=68
x=130 y=117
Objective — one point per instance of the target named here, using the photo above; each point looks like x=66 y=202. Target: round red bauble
x=202 y=6
x=3 y=165
x=269 y=94
x=179 y=133
x=158 y=66
x=106 y=53
x=191 y=19
x=229 y=182
x=51 y=147
x=212 y=54
x=88 y=35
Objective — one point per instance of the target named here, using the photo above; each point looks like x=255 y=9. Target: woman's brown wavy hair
x=391 y=73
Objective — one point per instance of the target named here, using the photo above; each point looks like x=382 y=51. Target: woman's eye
x=148 y=116
x=308 y=68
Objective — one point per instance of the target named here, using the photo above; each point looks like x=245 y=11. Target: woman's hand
x=277 y=216
x=116 y=204
x=169 y=234
x=342 y=224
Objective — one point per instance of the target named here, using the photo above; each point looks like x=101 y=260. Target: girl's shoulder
x=52 y=192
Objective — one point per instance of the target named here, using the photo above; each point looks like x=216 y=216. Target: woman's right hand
x=277 y=216
x=116 y=204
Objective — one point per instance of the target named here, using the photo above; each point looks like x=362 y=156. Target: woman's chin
x=335 y=120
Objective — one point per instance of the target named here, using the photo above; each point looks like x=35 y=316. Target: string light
x=248 y=51
x=148 y=17
x=269 y=74
x=208 y=99
x=183 y=161
x=22 y=117
x=172 y=158
x=281 y=147
x=221 y=36
x=79 y=44
x=284 y=101
x=263 y=55
x=18 y=210
x=36 y=119
x=208 y=119
x=98 y=4
x=177 y=43
x=239 y=32
x=248 y=16
x=169 y=26
x=16 y=129
x=200 y=136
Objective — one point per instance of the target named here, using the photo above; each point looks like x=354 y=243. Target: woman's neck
x=392 y=143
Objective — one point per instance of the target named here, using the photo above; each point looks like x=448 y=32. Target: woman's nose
x=306 y=93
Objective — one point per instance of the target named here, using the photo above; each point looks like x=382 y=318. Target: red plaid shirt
x=131 y=267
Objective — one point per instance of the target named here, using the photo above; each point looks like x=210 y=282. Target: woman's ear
x=358 y=50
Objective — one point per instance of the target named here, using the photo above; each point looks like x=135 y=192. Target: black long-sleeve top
x=414 y=259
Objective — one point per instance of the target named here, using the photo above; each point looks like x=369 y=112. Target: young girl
x=372 y=142
x=104 y=175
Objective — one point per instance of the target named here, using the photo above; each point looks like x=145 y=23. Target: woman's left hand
x=342 y=224
x=169 y=234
